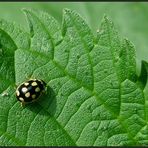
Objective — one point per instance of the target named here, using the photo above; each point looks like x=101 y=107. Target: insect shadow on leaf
x=46 y=105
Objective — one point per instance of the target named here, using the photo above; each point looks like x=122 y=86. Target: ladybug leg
x=23 y=104
x=45 y=91
x=31 y=78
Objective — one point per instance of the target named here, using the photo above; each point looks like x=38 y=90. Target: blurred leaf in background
x=131 y=18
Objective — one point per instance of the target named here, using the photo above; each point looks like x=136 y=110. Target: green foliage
x=94 y=96
x=122 y=14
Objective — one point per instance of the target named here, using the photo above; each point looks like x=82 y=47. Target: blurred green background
x=130 y=18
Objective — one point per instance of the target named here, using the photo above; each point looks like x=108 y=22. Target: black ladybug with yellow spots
x=30 y=91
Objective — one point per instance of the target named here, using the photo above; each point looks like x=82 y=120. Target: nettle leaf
x=94 y=96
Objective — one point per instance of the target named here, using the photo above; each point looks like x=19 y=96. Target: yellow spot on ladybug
x=34 y=84
x=37 y=89
x=27 y=94
x=17 y=93
x=33 y=96
x=21 y=99
x=24 y=89
x=26 y=84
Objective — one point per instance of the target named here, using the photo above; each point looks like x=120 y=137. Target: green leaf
x=94 y=96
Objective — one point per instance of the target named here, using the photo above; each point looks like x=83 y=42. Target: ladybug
x=30 y=91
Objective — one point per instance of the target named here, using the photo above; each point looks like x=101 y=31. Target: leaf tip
x=25 y=10
x=107 y=19
x=66 y=10
x=105 y=16
x=129 y=43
